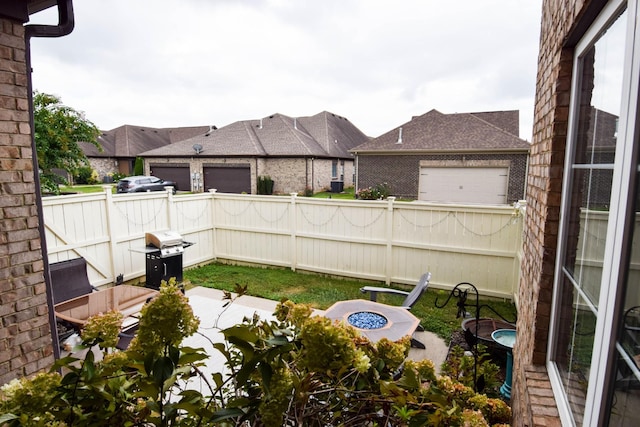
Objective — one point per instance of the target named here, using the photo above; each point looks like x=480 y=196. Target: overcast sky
x=167 y=63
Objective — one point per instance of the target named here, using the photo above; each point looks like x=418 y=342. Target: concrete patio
x=207 y=304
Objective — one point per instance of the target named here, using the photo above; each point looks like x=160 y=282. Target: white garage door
x=464 y=185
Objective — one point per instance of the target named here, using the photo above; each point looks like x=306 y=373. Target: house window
x=334 y=169
x=598 y=266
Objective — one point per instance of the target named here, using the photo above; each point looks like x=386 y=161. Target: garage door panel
x=180 y=175
x=464 y=185
x=228 y=179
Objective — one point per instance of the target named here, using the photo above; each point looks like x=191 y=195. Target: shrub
x=296 y=370
x=138 y=166
x=117 y=176
x=86 y=175
x=460 y=366
x=380 y=191
x=265 y=185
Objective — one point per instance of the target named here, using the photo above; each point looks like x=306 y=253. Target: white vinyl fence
x=388 y=241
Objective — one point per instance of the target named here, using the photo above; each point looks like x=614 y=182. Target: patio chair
x=411 y=298
x=69 y=279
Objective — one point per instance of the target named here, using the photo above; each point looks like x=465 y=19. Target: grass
x=84 y=188
x=348 y=193
x=322 y=291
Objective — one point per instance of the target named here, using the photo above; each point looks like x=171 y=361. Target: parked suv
x=137 y=184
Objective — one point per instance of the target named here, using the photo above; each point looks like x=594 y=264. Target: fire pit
x=374 y=320
x=367 y=320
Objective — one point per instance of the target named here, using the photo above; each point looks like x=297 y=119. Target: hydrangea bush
x=297 y=370
x=377 y=192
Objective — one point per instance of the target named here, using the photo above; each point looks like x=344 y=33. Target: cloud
x=376 y=62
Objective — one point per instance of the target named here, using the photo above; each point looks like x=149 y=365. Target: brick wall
x=290 y=175
x=533 y=403
x=25 y=337
x=402 y=172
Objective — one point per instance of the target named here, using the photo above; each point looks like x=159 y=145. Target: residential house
x=298 y=153
x=576 y=353
x=461 y=158
x=121 y=146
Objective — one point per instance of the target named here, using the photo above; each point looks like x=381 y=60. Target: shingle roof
x=130 y=140
x=435 y=131
x=322 y=135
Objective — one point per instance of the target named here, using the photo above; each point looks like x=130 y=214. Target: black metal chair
x=69 y=279
x=411 y=298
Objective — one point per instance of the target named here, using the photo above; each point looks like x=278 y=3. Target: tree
x=57 y=131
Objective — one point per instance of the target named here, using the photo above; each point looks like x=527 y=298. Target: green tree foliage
x=57 y=131
x=138 y=166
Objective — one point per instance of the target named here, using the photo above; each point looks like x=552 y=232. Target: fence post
x=294 y=222
x=212 y=192
x=108 y=201
x=171 y=208
x=389 y=233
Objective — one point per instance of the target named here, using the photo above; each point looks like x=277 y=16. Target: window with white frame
x=595 y=246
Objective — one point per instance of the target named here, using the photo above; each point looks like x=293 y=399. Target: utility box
x=337 y=186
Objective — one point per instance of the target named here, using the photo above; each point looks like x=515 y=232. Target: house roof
x=130 y=141
x=322 y=135
x=459 y=132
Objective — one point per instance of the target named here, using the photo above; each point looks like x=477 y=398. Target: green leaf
x=226 y=414
x=162 y=370
x=266 y=372
x=174 y=354
x=192 y=355
x=5 y=418
x=241 y=332
x=217 y=378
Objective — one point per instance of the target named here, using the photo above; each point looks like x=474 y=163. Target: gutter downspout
x=64 y=27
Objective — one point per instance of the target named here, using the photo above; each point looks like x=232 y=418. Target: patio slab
x=207 y=305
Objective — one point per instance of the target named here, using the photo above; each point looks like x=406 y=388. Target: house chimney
x=399 y=136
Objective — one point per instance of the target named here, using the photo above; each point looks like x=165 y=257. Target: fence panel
x=380 y=240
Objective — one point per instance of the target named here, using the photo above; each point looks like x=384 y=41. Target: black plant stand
x=461 y=292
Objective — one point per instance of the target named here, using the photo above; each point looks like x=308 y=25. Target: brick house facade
x=25 y=335
x=402 y=171
x=298 y=153
x=448 y=158
x=552 y=297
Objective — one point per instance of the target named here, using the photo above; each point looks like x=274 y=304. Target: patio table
x=124 y=298
x=400 y=322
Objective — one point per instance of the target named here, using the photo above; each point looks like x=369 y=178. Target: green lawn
x=348 y=193
x=321 y=291
x=84 y=188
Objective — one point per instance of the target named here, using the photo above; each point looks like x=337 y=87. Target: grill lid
x=163 y=239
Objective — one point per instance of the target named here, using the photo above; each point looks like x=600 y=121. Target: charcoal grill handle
x=164 y=264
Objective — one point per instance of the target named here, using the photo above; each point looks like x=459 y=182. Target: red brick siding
x=402 y=172
x=25 y=336
x=533 y=403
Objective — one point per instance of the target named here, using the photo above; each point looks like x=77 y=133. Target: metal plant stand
x=461 y=293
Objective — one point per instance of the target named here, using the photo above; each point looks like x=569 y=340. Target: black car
x=137 y=184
